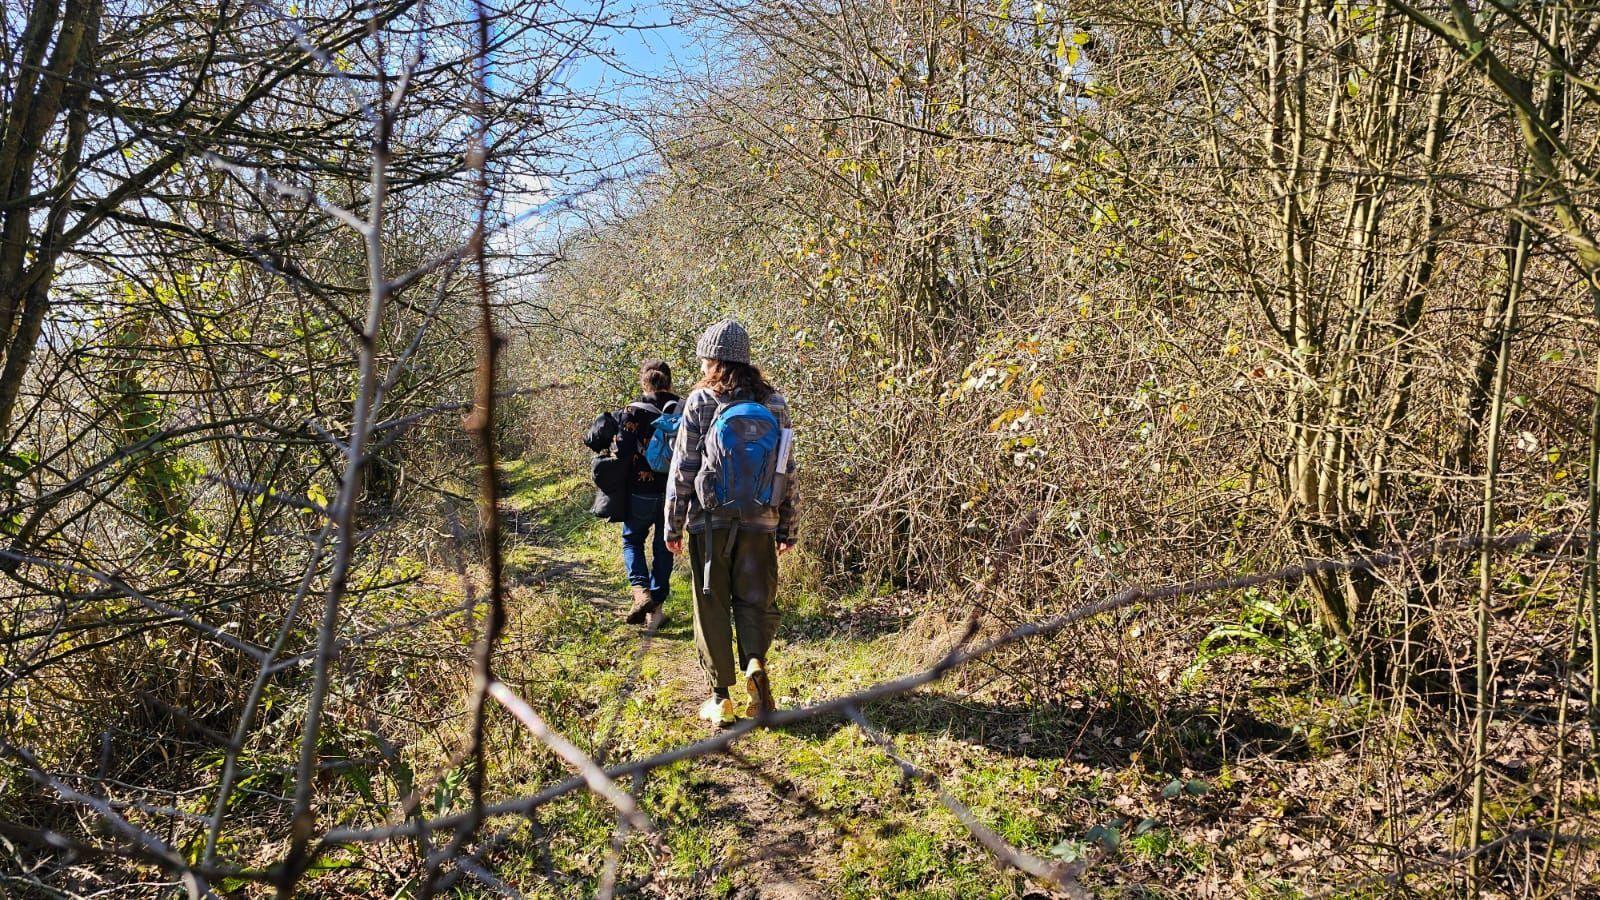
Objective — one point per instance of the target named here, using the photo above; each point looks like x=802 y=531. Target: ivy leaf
x=1068 y=851
x=1108 y=835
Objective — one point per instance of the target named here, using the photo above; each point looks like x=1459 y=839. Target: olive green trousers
x=735 y=597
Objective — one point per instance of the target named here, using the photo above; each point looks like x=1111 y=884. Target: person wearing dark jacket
x=649 y=569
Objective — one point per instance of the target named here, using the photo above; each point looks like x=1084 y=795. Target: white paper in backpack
x=784 y=444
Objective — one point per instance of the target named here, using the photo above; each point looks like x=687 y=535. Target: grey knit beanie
x=727 y=340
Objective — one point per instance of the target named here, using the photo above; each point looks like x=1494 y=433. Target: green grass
x=895 y=839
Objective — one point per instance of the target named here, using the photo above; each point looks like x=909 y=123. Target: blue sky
x=630 y=64
x=651 y=42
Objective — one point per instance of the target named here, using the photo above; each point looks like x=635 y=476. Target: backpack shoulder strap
x=717 y=403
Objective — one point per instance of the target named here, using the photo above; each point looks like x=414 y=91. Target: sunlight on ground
x=866 y=833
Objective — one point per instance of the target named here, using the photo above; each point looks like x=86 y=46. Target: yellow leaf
x=1004 y=419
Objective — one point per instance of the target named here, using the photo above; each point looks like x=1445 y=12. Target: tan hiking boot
x=643 y=606
x=759 y=686
x=656 y=619
x=719 y=711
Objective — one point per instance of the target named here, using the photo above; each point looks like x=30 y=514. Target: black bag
x=602 y=433
x=609 y=470
x=611 y=488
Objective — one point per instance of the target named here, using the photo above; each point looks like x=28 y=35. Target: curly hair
x=737 y=379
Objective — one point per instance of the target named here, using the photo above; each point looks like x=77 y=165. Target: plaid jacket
x=683 y=505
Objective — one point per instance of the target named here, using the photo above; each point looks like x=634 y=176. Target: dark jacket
x=625 y=433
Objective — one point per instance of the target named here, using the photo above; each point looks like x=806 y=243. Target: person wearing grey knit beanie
x=726 y=341
x=732 y=490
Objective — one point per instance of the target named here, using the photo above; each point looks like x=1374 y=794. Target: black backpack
x=609 y=470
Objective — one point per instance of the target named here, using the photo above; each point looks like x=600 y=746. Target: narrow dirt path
x=778 y=842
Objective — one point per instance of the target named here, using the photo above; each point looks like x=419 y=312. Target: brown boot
x=757 y=682
x=642 y=606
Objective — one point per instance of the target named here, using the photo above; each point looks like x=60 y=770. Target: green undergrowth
x=871 y=833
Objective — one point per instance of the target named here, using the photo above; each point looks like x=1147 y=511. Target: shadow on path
x=1104 y=733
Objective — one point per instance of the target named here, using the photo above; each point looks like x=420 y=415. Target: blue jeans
x=646 y=512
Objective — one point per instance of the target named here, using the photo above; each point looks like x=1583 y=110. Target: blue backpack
x=740 y=467
x=658 y=453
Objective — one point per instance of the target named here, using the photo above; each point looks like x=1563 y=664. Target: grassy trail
x=808 y=812
x=764 y=839
x=812 y=811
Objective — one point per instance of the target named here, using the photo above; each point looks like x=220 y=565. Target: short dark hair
x=655 y=375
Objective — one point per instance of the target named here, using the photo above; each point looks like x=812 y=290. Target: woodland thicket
x=1065 y=299
x=1129 y=293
